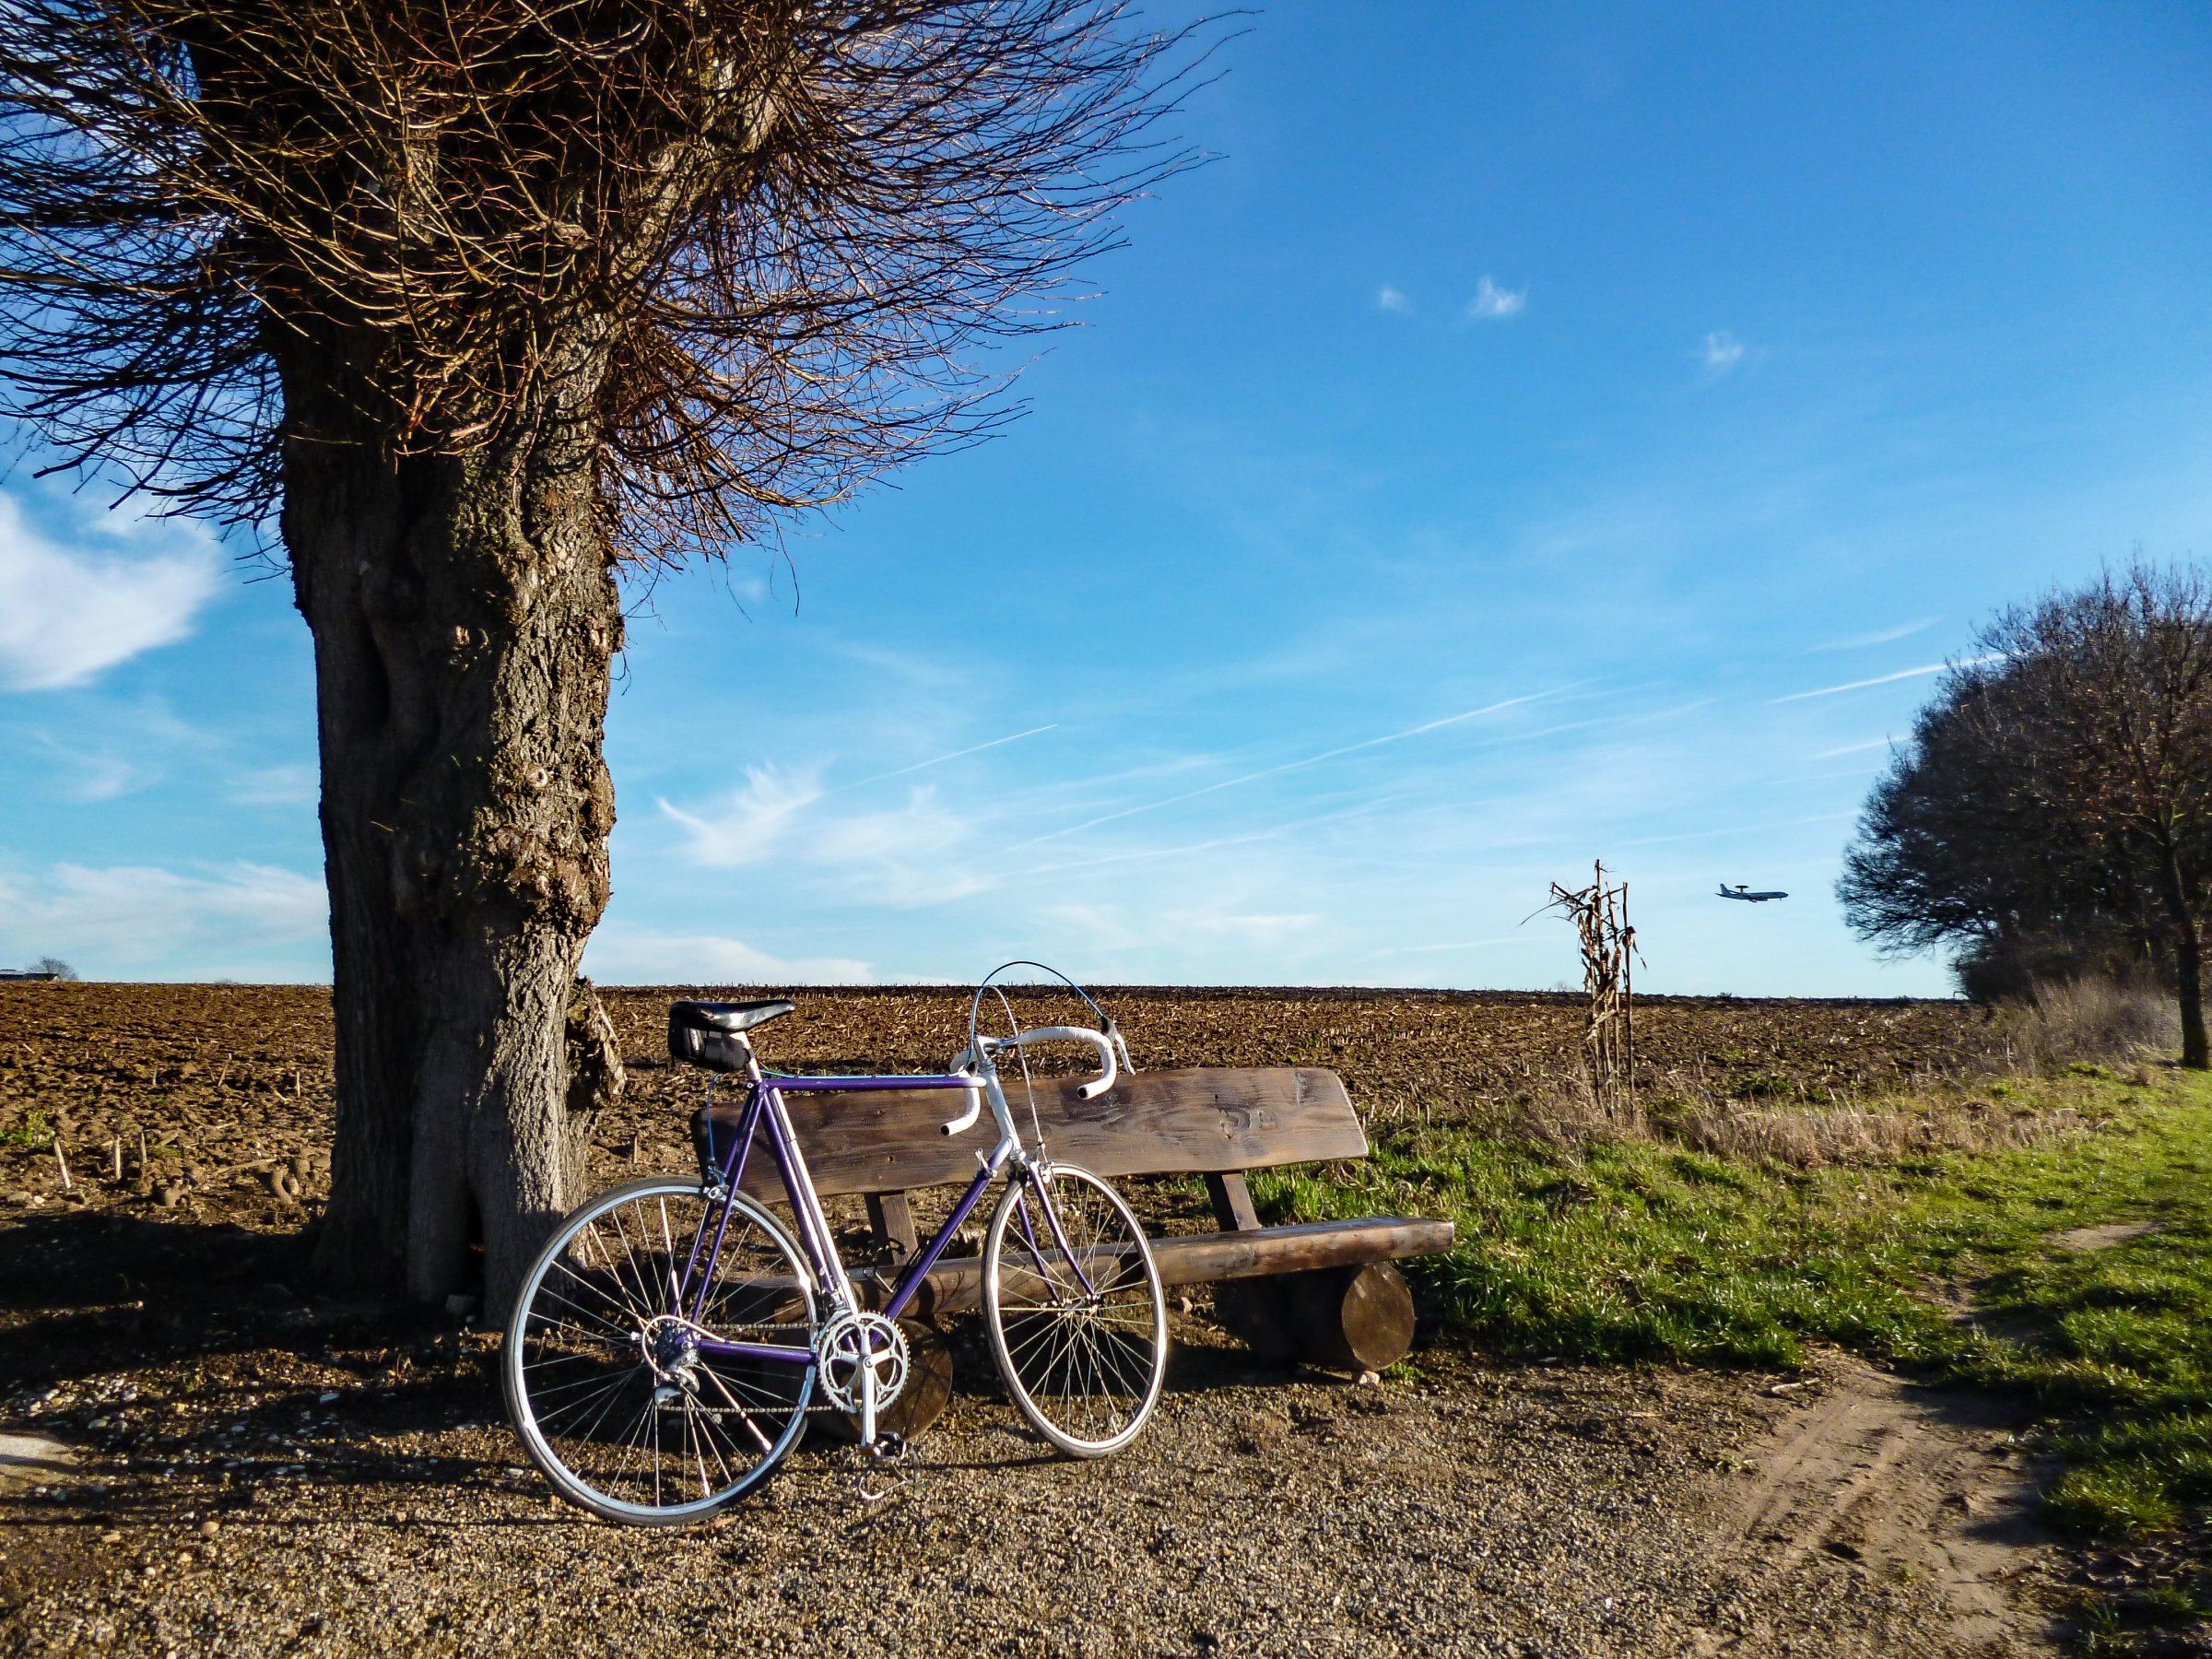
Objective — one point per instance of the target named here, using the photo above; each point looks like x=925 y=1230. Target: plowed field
x=228 y=1087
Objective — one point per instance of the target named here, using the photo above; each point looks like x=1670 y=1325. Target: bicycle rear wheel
x=606 y=1379
x=1073 y=1303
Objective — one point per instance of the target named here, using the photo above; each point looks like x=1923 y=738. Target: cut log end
x=1353 y=1319
x=1348 y=1319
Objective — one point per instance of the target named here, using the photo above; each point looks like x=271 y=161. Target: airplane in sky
x=1740 y=891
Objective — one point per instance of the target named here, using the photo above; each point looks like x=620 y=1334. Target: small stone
x=210 y=1528
x=1369 y=1379
x=111 y=1538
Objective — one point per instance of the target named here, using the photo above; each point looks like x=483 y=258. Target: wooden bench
x=1323 y=1290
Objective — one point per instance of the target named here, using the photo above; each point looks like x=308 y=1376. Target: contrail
x=1271 y=772
x=1884 y=679
x=939 y=760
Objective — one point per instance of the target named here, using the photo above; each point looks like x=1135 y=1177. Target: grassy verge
x=1639 y=1249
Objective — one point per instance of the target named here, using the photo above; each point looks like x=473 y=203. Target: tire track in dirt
x=1921 y=1487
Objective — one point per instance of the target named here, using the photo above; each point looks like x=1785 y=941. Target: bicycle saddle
x=728 y=1016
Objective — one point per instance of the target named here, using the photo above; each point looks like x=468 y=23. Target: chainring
x=848 y=1345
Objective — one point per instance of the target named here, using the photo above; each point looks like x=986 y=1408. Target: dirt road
x=1467 y=1509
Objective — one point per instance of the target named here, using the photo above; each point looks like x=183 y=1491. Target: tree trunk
x=2189 y=965
x=464 y=615
x=2197 y=1051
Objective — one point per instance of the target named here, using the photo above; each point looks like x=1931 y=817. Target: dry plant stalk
x=1600 y=914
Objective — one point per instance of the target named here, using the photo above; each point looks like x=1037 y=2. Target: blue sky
x=1546 y=431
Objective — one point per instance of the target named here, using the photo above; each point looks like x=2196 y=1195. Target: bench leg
x=1351 y=1318
x=1348 y=1319
x=1257 y=1313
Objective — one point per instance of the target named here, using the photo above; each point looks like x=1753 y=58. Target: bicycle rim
x=1077 y=1319
x=600 y=1387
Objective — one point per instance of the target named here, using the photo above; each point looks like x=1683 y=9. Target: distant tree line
x=2051 y=815
x=52 y=968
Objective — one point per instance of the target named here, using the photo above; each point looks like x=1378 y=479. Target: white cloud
x=752 y=821
x=1882 y=636
x=1496 y=303
x=1514 y=939
x=1766 y=827
x=66 y=614
x=1256 y=928
x=1722 y=351
x=100 y=776
x=629 y=956
x=1089 y=928
x=276 y=786
x=904 y=856
x=112 y=918
x=1391 y=300
x=1270 y=771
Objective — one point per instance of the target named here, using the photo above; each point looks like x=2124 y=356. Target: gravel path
x=1464 y=1508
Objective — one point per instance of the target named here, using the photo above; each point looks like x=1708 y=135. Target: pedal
x=889 y=1447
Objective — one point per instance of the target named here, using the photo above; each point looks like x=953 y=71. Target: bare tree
x=1959 y=850
x=479 y=302
x=54 y=967
x=2061 y=784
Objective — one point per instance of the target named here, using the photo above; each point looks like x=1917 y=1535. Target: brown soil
x=214 y=1100
x=2109 y=1235
x=1911 y=1485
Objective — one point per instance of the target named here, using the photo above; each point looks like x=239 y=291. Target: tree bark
x=465 y=613
x=2197 y=1051
x=2188 y=964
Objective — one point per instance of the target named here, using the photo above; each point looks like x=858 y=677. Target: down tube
x=910 y=1282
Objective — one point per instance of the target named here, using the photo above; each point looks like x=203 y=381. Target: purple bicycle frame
x=820 y=1253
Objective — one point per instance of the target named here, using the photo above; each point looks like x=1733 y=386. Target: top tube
x=786 y=1083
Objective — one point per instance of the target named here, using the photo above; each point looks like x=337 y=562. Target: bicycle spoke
x=615 y=1398
x=1076 y=1314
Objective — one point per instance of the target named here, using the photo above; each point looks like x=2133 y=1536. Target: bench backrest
x=1153 y=1123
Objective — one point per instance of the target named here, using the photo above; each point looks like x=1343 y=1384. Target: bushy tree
x=477 y=304
x=2054 y=803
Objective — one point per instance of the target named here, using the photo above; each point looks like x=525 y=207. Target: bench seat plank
x=956 y=1284
x=1195 y=1122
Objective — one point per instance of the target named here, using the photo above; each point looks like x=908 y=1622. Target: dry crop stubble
x=230 y=1087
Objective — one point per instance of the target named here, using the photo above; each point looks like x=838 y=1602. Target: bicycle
x=659 y=1365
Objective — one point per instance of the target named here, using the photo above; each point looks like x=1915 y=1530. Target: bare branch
x=752 y=250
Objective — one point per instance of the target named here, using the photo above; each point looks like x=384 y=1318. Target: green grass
x=32 y=1132
x=1638 y=1249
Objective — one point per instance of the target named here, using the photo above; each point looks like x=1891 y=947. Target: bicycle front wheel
x=1073 y=1303
x=641 y=1365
